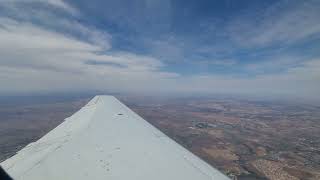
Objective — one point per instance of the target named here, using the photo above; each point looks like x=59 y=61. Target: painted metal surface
x=106 y=140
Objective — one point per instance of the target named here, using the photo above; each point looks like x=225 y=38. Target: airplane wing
x=106 y=140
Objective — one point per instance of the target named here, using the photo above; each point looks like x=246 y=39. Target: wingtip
x=102 y=95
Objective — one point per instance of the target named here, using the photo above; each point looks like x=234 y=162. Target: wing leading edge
x=106 y=140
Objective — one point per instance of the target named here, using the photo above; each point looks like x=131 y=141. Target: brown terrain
x=244 y=139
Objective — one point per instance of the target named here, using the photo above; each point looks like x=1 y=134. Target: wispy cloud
x=54 y=3
x=52 y=46
x=284 y=22
x=30 y=52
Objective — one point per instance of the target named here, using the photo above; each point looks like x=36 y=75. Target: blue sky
x=161 y=46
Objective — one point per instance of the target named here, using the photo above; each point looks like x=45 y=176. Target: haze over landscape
x=235 y=82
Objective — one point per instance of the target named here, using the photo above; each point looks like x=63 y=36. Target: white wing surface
x=106 y=140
